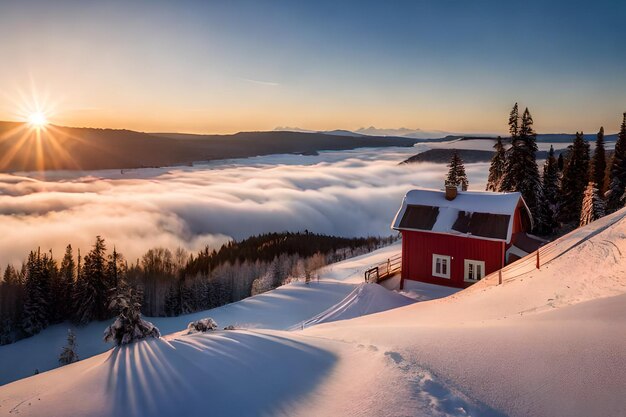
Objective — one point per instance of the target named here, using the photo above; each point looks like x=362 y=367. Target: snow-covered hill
x=284 y=308
x=546 y=342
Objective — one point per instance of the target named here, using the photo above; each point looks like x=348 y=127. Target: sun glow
x=34 y=138
x=37 y=119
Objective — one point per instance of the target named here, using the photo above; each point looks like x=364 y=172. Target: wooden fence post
x=537 y=258
x=500 y=277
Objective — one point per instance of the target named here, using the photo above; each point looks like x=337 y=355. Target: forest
x=571 y=190
x=46 y=291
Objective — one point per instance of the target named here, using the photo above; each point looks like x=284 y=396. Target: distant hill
x=443 y=156
x=71 y=148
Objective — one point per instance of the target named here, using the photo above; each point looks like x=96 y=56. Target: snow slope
x=281 y=309
x=365 y=299
x=352 y=270
x=546 y=342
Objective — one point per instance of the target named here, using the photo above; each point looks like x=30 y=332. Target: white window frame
x=474 y=263
x=448 y=266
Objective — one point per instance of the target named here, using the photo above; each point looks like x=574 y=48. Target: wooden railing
x=384 y=270
x=551 y=251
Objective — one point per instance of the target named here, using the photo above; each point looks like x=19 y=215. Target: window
x=474 y=270
x=441 y=266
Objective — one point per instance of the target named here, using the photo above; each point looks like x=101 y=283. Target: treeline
x=44 y=291
x=572 y=190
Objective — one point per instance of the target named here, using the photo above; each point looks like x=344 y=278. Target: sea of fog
x=347 y=193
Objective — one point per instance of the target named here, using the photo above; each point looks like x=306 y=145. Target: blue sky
x=209 y=66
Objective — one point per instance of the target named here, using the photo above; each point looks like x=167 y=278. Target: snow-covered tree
x=498 y=164
x=264 y=282
x=617 y=174
x=68 y=354
x=550 y=183
x=598 y=163
x=575 y=180
x=129 y=326
x=456 y=173
x=593 y=206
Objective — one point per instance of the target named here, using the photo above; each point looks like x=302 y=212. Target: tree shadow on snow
x=233 y=373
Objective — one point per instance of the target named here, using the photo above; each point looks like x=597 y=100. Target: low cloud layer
x=353 y=193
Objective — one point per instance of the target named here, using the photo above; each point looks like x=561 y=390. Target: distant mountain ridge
x=71 y=148
x=373 y=131
x=420 y=134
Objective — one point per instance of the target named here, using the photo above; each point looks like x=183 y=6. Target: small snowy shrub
x=129 y=326
x=202 y=325
x=229 y=327
x=68 y=354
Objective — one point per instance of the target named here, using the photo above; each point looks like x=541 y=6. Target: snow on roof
x=482 y=214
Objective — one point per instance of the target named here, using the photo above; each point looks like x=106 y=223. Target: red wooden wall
x=418 y=249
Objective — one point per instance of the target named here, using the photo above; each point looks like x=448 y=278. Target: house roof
x=484 y=215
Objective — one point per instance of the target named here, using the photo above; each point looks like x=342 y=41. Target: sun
x=37 y=119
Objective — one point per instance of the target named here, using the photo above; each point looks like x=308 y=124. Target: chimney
x=451 y=191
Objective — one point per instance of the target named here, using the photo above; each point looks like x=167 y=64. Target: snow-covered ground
x=337 y=295
x=547 y=342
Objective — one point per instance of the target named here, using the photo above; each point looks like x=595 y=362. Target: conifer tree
x=593 y=206
x=617 y=175
x=575 y=180
x=128 y=326
x=561 y=162
x=522 y=173
x=456 y=173
x=91 y=287
x=11 y=304
x=598 y=163
x=35 y=311
x=53 y=288
x=550 y=183
x=67 y=274
x=514 y=122
x=498 y=165
x=172 y=301
x=68 y=354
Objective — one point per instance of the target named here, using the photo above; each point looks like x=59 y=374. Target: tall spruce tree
x=617 y=175
x=54 y=288
x=92 y=291
x=598 y=163
x=456 y=173
x=550 y=183
x=35 y=311
x=498 y=165
x=575 y=180
x=521 y=172
x=514 y=122
x=67 y=274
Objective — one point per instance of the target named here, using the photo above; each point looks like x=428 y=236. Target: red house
x=455 y=238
